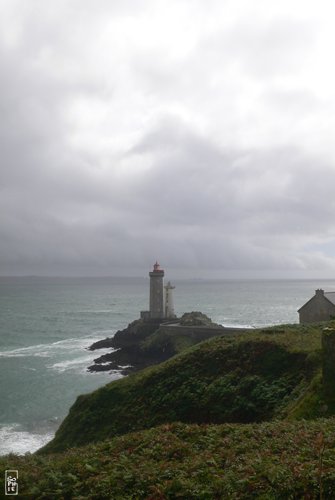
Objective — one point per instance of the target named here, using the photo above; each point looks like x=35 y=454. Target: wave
x=13 y=439
x=40 y=350
x=55 y=348
x=236 y=325
x=74 y=364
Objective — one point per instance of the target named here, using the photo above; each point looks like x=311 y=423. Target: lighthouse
x=160 y=309
x=156 y=292
x=169 y=308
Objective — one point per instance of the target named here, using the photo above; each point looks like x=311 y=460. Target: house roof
x=330 y=296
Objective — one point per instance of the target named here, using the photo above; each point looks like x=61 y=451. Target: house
x=321 y=307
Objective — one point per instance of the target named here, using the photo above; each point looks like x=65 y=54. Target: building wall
x=317 y=309
x=156 y=294
x=169 y=307
x=199 y=332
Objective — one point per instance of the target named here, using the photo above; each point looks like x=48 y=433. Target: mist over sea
x=46 y=324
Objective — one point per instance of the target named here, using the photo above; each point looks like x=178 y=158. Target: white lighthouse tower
x=169 y=307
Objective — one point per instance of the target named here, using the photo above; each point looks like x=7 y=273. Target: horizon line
x=231 y=278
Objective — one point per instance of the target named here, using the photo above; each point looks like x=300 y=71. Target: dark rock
x=128 y=350
x=196 y=318
x=102 y=344
x=135 y=332
x=145 y=343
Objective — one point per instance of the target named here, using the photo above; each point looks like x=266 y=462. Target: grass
x=234 y=417
x=271 y=460
x=247 y=377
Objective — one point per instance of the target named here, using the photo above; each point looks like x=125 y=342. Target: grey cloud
x=196 y=204
x=180 y=191
x=244 y=198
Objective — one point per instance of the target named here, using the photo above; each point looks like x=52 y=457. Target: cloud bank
x=201 y=136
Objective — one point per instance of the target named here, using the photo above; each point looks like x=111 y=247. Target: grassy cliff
x=232 y=417
x=248 y=377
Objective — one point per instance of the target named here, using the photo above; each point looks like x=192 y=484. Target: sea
x=47 y=325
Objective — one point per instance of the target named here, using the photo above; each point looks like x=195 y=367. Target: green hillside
x=234 y=417
x=250 y=377
x=272 y=460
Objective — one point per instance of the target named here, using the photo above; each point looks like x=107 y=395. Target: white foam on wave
x=55 y=348
x=236 y=325
x=40 y=350
x=72 y=364
x=15 y=440
x=67 y=355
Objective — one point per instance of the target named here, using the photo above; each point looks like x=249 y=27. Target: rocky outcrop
x=127 y=354
x=135 y=332
x=197 y=318
x=145 y=343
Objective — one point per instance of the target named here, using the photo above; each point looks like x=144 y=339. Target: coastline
x=145 y=343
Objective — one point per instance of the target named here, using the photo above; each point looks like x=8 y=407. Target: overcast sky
x=198 y=133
